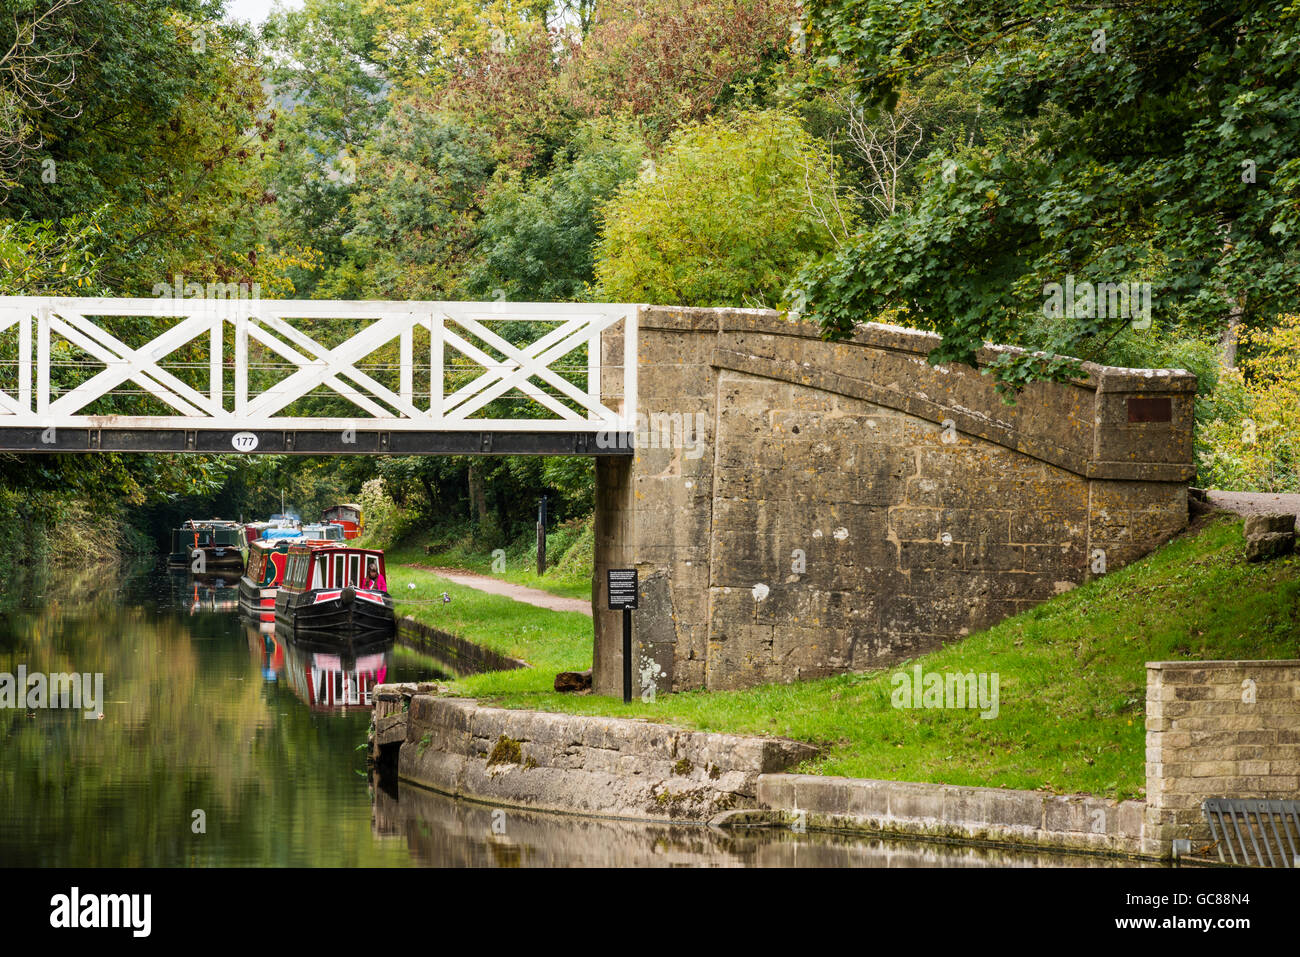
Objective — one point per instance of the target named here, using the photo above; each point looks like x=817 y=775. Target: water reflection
x=206 y=711
x=326 y=677
x=205 y=593
x=441 y=831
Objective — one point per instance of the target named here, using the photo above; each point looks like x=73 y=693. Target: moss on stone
x=683 y=766
x=505 y=751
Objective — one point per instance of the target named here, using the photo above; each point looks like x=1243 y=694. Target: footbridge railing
x=239 y=374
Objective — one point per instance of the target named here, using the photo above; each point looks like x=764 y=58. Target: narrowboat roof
x=271 y=544
x=320 y=545
x=344 y=505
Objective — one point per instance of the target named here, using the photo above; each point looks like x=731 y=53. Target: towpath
x=495 y=586
x=1252 y=503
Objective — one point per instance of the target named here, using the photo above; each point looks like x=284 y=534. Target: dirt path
x=1252 y=503
x=495 y=586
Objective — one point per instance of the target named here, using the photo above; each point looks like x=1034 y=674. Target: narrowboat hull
x=332 y=613
x=255 y=601
x=216 y=558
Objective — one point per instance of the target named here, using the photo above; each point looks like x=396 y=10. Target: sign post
x=621 y=584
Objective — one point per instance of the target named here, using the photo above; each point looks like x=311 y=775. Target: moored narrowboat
x=207 y=547
x=282 y=529
x=334 y=591
x=349 y=516
x=325 y=532
x=262 y=578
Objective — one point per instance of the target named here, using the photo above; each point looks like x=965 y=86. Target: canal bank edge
x=458 y=655
x=608 y=767
x=627 y=768
x=1075 y=822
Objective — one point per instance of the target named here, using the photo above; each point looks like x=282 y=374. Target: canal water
x=216 y=744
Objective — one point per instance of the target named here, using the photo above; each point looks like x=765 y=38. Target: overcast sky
x=255 y=10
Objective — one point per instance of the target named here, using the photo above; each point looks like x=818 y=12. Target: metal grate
x=1256 y=833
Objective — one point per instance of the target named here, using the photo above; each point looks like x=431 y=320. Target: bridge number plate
x=622 y=585
x=244 y=441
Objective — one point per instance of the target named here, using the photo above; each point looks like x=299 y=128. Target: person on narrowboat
x=374 y=578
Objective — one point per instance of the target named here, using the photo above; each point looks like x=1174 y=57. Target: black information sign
x=622 y=586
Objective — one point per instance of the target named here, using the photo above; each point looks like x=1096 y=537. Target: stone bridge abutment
x=798 y=508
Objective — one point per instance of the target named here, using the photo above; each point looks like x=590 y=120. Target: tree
x=669 y=62
x=422 y=42
x=330 y=92
x=537 y=237
x=37 y=69
x=734 y=208
x=168 y=132
x=506 y=90
x=421 y=180
x=1163 y=155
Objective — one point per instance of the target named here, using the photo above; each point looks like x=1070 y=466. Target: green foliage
x=44 y=258
x=537 y=235
x=1252 y=441
x=734 y=207
x=168 y=129
x=327 y=79
x=1161 y=153
x=420 y=182
x=570 y=552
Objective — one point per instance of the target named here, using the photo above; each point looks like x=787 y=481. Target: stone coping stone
x=1255 y=663
x=900 y=339
x=1074 y=822
x=584 y=764
x=1263 y=523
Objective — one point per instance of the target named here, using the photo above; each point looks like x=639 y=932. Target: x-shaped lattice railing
x=462 y=328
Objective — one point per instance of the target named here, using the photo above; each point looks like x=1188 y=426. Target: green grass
x=1072 y=679
x=551 y=641
x=568 y=551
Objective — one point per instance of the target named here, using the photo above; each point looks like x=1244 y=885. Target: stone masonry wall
x=799 y=508
x=1217 y=729
x=577 y=764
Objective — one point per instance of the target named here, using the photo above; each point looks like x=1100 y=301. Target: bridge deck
x=314 y=441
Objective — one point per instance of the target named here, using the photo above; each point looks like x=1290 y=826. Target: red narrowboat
x=347 y=515
x=262 y=578
x=332 y=590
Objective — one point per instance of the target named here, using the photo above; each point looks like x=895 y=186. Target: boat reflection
x=327 y=677
x=205 y=593
x=262 y=644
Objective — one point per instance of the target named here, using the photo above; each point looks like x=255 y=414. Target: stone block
x=1269 y=522
x=1269 y=545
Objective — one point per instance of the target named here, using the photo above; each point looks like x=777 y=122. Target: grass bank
x=1072 y=678
x=569 y=552
x=551 y=641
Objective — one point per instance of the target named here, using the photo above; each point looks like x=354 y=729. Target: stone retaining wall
x=459 y=656
x=998 y=815
x=1226 y=729
x=597 y=766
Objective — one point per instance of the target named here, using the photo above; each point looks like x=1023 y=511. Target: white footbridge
x=314 y=377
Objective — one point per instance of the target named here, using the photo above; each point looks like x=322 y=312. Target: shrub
x=728 y=216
